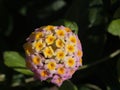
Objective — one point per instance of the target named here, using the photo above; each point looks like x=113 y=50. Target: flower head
x=54 y=53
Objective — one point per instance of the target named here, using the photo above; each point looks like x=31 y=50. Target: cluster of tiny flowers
x=53 y=53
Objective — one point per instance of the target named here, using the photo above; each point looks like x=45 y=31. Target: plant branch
x=112 y=55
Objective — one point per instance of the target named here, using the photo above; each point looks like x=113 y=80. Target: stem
x=112 y=55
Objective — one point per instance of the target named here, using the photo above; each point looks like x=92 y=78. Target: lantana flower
x=54 y=53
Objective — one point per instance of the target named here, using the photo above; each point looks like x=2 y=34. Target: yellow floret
x=51 y=66
x=48 y=52
x=49 y=27
x=73 y=39
x=72 y=71
x=70 y=48
x=28 y=48
x=70 y=62
x=79 y=53
x=59 y=43
x=44 y=73
x=61 y=70
x=36 y=60
x=80 y=61
x=38 y=35
x=60 y=54
x=67 y=29
x=50 y=39
x=60 y=33
x=59 y=80
x=38 y=45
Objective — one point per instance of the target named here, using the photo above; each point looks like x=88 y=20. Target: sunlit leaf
x=16 y=61
x=13 y=59
x=114 y=27
x=68 y=85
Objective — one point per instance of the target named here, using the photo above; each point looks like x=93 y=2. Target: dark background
x=18 y=18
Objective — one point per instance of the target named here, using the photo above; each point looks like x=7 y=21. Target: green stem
x=112 y=55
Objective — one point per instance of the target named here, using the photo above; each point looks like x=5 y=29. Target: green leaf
x=16 y=61
x=95 y=10
x=114 y=27
x=24 y=71
x=68 y=85
x=93 y=13
x=58 y=5
x=13 y=59
x=72 y=25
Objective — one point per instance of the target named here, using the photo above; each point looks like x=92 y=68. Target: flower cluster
x=54 y=53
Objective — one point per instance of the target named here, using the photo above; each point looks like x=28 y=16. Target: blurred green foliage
x=97 y=23
x=114 y=27
x=14 y=60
